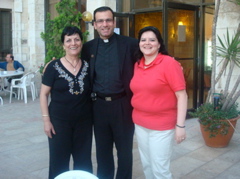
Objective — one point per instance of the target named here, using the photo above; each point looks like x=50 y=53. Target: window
x=5 y=33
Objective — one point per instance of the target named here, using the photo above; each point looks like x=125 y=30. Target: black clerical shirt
x=107 y=68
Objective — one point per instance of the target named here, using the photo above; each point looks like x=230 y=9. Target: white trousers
x=155 y=148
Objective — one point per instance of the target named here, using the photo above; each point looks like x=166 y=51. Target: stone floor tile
x=232 y=172
x=216 y=166
x=24 y=148
x=206 y=153
x=184 y=165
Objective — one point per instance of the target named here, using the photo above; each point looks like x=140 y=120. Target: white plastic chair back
x=34 y=83
x=76 y=174
x=21 y=84
x=1 y=100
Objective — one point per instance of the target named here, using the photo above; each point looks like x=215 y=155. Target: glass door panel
x=208 y=19
x=181 y=42
x=124 y=24
x=148 y=19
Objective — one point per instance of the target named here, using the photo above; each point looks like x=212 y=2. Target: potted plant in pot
x=219 y=114
x=217 y=126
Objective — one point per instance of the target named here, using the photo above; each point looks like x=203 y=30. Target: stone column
x=35 y=25
x=17 y=30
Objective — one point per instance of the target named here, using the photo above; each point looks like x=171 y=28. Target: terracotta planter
x=219 y=140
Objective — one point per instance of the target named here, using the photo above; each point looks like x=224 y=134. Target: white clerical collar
x=105 y=40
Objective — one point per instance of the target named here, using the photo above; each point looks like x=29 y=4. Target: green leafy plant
x=213 y=118
x=67 y=15
x=41 y=67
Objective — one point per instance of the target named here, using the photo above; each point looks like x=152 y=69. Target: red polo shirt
x=154 y=100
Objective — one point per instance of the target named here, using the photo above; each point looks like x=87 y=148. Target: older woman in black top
x=68 y=120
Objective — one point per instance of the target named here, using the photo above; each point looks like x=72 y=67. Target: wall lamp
x=87 y=18
x=181 y=32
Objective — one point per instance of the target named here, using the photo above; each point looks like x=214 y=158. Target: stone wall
x=6 y=4
x=28 y=23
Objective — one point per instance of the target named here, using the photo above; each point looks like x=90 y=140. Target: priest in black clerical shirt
x=111 y=59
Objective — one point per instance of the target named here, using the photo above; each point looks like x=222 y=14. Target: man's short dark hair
x=102 y=9
x=12 y=57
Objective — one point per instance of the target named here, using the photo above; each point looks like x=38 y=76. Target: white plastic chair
x=76 y=174
x=1 y=100
x=21 y=84
x=34 y=83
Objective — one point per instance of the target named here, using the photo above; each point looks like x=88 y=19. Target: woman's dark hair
x=153 y=29
x=102 y=9
x=70 y=30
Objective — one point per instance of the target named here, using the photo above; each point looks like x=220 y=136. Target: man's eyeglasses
x=101 y=21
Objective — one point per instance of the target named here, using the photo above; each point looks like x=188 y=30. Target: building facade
x=23 y=31
x=186 y=26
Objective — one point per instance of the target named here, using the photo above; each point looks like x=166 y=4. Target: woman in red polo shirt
x=160 y=103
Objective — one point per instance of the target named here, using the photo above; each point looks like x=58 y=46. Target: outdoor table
x=4 y=74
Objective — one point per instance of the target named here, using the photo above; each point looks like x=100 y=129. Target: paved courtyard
x=24 y=148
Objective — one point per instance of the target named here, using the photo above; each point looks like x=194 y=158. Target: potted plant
x=217 y=126
x=219 y=114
